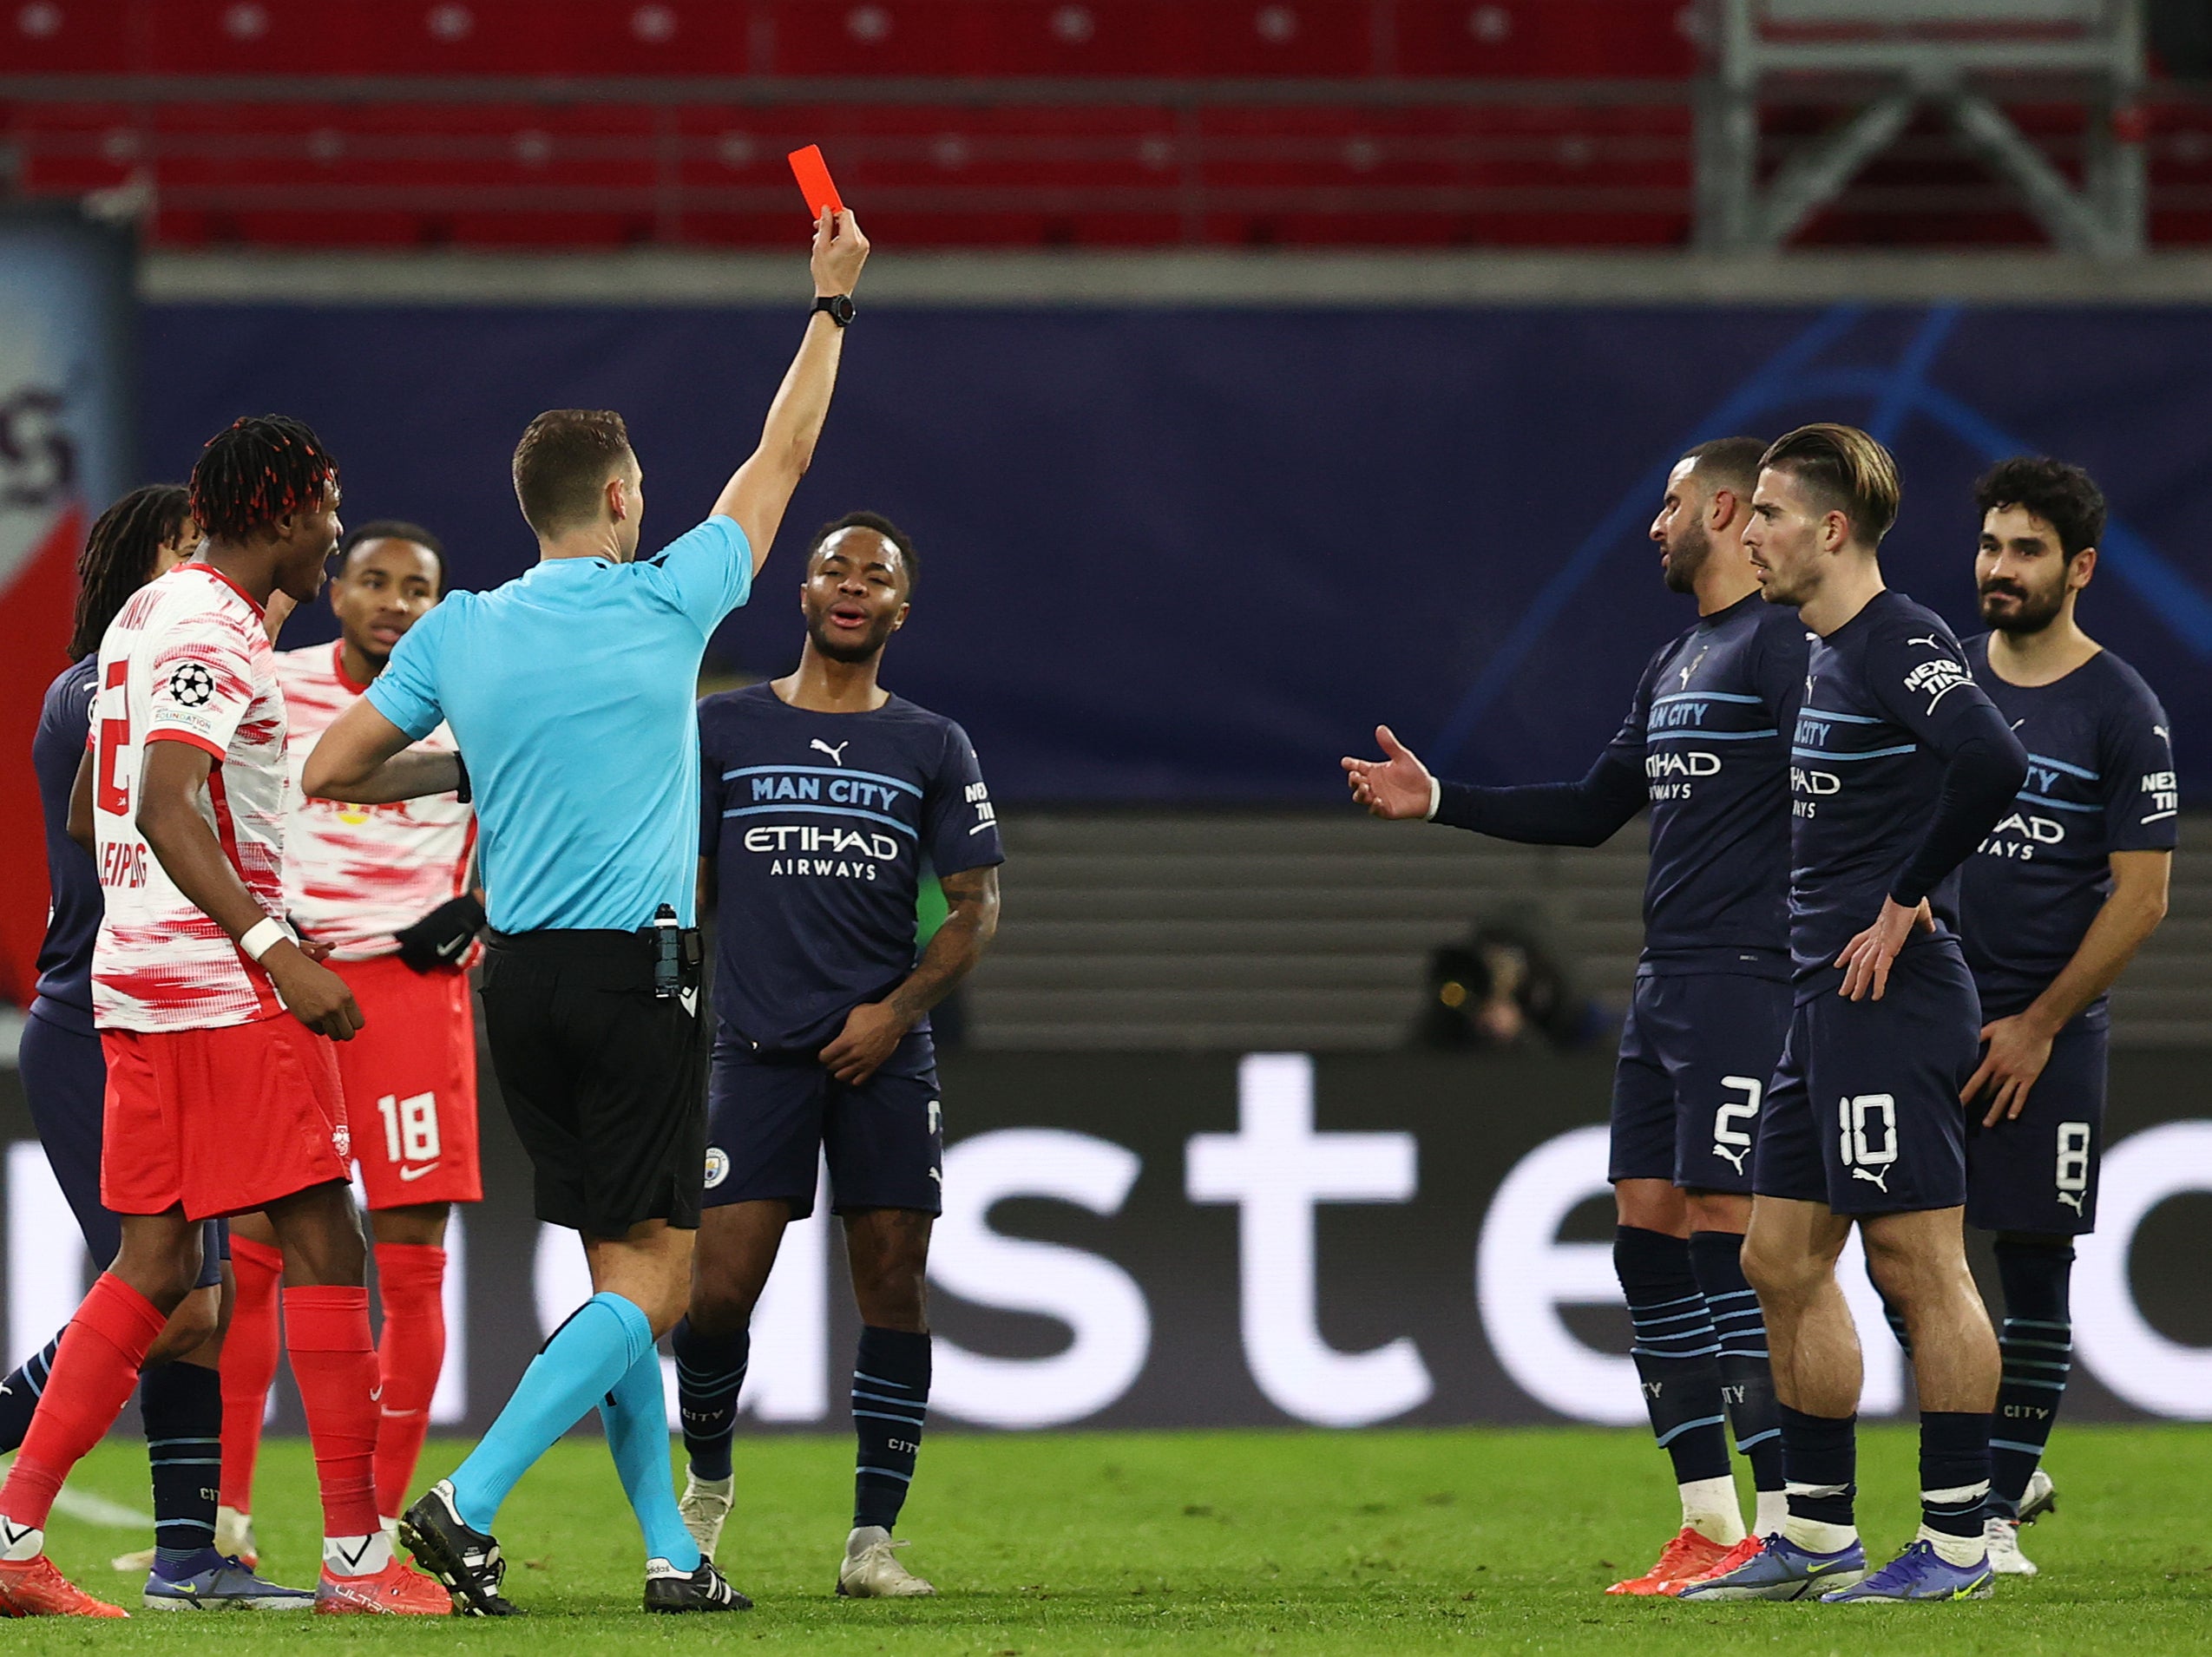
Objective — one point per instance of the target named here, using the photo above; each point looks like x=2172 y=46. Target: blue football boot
x=1920 y=1573
x=1782 y=1570
x=220 y=1584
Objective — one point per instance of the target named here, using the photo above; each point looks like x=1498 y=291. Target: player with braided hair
x=222 y=1092
x=143 y=535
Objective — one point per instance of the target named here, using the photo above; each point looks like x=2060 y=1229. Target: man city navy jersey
x=1711 y=718
x=1704 y=744
x=819 y=824
x=2100 y=781
x=65 y=956
x=1888 y=701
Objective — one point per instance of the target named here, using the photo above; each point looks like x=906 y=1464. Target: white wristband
x=1435 y=797
x=264 y=936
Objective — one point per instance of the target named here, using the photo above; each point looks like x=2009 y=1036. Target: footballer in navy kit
x=2062 y=893
x=1899 y=766
x=1705 y=746
x=824 y=797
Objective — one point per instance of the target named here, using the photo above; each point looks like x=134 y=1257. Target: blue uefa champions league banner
x=1194 y=556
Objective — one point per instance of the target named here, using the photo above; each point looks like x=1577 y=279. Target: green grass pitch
x=1224 y=1541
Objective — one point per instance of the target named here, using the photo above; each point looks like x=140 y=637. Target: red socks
x=410 y=1277
x=326 y=1334
x=249 y=1365
x=101 y=1354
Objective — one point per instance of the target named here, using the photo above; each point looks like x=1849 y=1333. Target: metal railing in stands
x=248 y=159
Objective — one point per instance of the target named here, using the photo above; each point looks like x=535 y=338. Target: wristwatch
x=840 y=306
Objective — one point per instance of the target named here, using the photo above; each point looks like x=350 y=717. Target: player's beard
x=850 y=652
x=2031 y=613
x=1686 y=555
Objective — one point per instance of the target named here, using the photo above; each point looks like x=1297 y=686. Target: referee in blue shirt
x=570 y=693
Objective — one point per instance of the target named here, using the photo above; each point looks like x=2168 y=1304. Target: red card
x=813 y=175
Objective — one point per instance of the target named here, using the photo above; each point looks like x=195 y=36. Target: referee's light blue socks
x=583 y=1362
x=635 y=1412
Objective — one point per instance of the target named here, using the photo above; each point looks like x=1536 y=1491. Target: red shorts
x=219 y=1121
x=410 y=1082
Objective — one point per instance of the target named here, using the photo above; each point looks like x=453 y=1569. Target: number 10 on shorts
x=410 y=1127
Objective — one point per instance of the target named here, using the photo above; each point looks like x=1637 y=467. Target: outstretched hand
x=839 y=251
x=1865 y=960
x=1395 y=787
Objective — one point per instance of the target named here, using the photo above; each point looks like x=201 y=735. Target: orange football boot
x=34 y=1587
x=1742 y=1553
x=1687 y=1554
x=394 y=1591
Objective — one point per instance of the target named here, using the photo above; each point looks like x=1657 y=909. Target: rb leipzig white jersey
x=355 y=874
x=187 y=660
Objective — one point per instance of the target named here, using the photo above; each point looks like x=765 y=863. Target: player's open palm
x=1397 y=786
x=313 y=993
x=839 y=251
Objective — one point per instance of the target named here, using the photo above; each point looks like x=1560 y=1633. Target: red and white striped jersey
x=355 y=874
x=188 y=660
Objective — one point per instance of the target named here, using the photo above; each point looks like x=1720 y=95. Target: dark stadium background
x=1250 y=371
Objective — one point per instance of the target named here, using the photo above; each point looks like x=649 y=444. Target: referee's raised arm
x=759 y=490
x=571 y=691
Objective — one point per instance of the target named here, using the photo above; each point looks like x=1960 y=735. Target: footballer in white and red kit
x=222 y=1091
x=386 y=889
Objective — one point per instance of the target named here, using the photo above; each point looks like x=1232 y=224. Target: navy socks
x=710 y=1372
x=890 y=1401
x=19 y=1395
x=1676 y=1350
x=1820 y=1456
x=182 y=1405
x=1747 y=1378
x=2039 y=1347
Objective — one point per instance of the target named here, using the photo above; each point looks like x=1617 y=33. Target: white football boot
x=871 y=1570
x=2040 y=1497
x=2002 y=1538
x=706 y=1506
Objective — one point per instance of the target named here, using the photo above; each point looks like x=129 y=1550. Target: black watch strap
x=840 y=307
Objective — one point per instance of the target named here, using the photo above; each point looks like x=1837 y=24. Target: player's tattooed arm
x=361 y=761
x=874 y=1029
x=2019 y=1047
x=171 y=781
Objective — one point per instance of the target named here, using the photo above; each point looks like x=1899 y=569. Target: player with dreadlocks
x=222 y=1094
x=144 y=534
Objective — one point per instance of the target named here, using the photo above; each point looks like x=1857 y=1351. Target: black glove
x=442 y=937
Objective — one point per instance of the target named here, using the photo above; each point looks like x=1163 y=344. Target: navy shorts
x=1864 y=1113
x=771 y=1120
x=65 y=1078
x=1696 y=1052
x=2037 y=1172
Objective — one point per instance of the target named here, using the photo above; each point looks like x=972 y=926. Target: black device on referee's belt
x=679 y=954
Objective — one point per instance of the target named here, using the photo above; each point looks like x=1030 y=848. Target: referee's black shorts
x=604 y=1081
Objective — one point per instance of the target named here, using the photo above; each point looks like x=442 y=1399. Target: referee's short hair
x=565 y=458
x=881 y=526
x=393 y=529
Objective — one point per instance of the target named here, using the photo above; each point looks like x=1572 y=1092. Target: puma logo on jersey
x=2073 y=1200
x=1880 y=1182
x=1690 y=666
x=837 y=753
x=1734 y=1158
